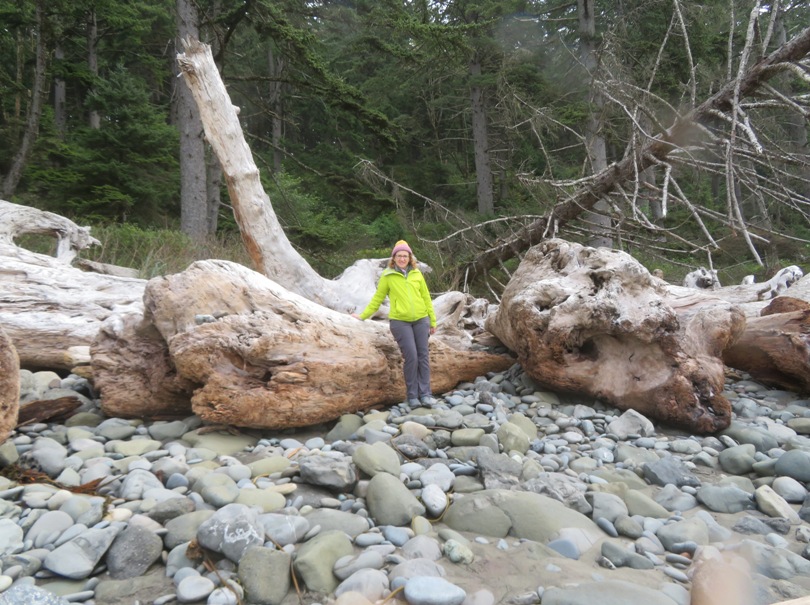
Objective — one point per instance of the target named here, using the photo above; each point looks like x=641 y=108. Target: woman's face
x=402 y=259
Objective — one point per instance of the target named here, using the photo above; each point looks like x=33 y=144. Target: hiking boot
x=414 y=403
x=427 y=400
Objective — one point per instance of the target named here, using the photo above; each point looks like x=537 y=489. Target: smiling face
x=402 y=259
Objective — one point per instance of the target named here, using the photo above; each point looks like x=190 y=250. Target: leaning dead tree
x=619 y=179
x=269 y=249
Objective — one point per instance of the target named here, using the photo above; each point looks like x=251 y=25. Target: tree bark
x=598 y=223
x=276 y=66
x=483 y=169
x=94 y=118
x=193 y=172
x=654 y=150
x=60 y=97
x=38 y=89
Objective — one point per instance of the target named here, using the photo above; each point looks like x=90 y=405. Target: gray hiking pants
x=412 y=338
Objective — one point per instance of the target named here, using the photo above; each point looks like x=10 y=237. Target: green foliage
x=160 y=251
x=125 y=170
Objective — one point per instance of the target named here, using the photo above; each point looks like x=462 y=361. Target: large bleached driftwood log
x=9 y=386
x=49 y=310
x=261 y=356
x=594 y=321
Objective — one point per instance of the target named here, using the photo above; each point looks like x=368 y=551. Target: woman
x=411 y=318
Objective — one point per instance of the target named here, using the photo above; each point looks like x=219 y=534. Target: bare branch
x=658 y=148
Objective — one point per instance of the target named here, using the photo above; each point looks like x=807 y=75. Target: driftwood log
x=594 y=321
x=9 y=386
x=51 y=311
x=47 y=410
x=16 y=220
x=260 y=356
x=134 y=373
x=775 y=346
x=752 y=298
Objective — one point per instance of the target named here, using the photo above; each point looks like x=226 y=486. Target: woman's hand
x=355 y=315
x=432 y=331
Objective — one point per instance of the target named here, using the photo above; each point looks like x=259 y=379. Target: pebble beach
x=497 y=492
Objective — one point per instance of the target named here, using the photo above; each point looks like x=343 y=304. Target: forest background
x=450 y=123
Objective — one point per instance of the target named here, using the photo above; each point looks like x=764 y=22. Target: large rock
x=265 y=575
x=501 y=513
x=316 y=559
x=390 y=502
x=594 y=321
x=9 y=386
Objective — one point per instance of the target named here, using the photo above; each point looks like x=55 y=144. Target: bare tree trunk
x=94 y=119
x=483 y=170
x=795 y=122
x=653 y=151
x=59 y=97
x=38 y=89
x=647 y=181
x=598 y=223
x=193 y=173
x=276 y=66
x=18 y=80
x=213 y=185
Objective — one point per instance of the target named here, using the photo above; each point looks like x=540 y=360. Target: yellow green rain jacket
x=408 y=296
